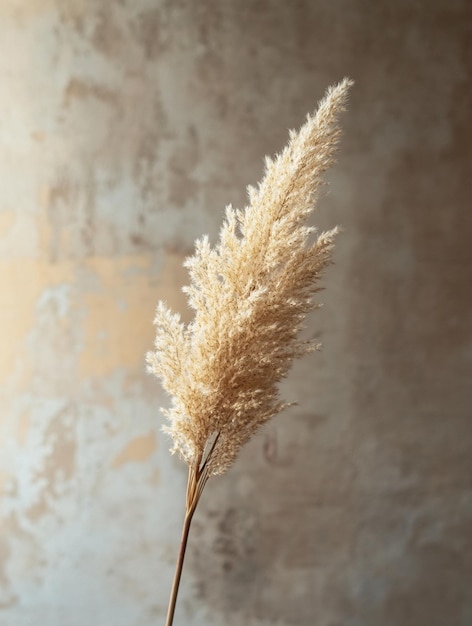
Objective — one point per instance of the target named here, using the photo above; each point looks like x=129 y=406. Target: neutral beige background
x=125 y=129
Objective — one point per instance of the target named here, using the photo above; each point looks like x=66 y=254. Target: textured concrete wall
x=125 y=129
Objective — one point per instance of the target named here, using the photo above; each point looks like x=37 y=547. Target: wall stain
x=58 y=464
x=68 y=237
x=182 y=186
x=108 y=36
x=7 y=599
x=12 y=535
x=79 y=89
x=150 y=32
x=137 y=450
x=227 y=566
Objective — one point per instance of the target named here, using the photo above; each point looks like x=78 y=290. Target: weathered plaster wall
x=125 y=129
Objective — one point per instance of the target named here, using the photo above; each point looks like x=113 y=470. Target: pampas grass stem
x=251 y=294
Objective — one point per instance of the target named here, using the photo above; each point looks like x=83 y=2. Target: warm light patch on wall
x=117 y=324
x=118 y=314
x=19 y=235
x=22 y=281
x=7 y=219
x=137 y=450
x=170 y=281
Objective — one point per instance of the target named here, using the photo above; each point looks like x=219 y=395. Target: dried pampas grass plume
x=251 y=294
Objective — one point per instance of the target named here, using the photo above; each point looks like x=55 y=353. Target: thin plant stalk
x=178 y=569
x=197 y=479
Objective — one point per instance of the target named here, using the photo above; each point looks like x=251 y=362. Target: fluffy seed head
x=250 y=294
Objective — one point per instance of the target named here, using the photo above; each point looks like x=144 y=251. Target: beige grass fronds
x=250 y=293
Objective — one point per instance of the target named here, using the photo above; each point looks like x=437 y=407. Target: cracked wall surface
x=126 y=128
